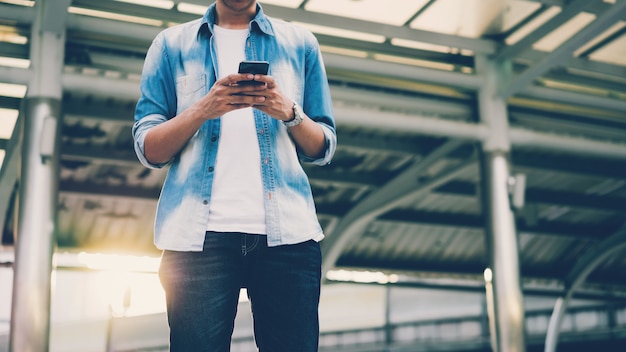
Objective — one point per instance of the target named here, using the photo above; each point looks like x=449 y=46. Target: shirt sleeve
x=157 y=102
x=331 y=145
x=317 y=102
x=140 y=129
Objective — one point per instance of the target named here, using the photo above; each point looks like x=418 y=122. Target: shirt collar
x=260 y=22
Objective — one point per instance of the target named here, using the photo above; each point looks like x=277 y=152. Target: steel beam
x=397 y=191
x=393 y=121
x=15 y=75
x=455 y=79
x=574 y=98
x=390 y=121
x=560 y=55
x=572 y=9
x=388 y=69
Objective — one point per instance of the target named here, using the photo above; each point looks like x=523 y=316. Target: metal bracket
x=517 y=191
x=48 y=138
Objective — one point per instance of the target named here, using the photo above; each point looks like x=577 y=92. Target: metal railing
x=588 y=323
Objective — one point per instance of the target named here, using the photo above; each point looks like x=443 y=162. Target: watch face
x=298 y=112
x=298 y=116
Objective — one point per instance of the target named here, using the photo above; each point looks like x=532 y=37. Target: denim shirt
x=180 y=68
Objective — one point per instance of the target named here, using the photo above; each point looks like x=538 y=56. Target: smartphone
x=254 y=67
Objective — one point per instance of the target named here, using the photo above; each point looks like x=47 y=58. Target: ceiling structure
x=403 y=194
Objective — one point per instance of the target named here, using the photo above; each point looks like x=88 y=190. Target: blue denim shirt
x=180 y=68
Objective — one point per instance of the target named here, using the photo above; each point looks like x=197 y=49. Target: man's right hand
x=227 y=95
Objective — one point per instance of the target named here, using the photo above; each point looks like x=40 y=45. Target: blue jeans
x=202 y=291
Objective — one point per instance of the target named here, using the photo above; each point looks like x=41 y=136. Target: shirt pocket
x=189 y=89
x=287 y=79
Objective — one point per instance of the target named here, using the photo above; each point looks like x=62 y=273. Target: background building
x=478 y=189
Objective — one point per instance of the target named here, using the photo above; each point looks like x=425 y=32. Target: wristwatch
x=298 y=116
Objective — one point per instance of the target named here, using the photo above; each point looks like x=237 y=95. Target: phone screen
x=254 y=67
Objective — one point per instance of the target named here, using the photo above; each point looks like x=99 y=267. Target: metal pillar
x=388 y=327
x=508 y=307
x=503 y=254
x=32 y=278
x=30 y=312
x=489 y=309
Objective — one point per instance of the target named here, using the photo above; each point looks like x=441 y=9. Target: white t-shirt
x=237 y=195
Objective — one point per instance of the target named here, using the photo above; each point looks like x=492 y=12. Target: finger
x=248 y=99
x=259 y=99
x=234 y=78
x=224 y=81
x=236 y=106
x=269 y=80
x=258 y=89
x=243 y=77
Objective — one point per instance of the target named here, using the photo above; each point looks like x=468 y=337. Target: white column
x=502 y=243
x=38 y=185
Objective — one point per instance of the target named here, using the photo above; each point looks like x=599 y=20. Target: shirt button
x=205 y=202
x=213 y=139
x=210 y=168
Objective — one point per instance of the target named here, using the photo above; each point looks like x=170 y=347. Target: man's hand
x=226 y=95
x=273 y=102
x=165 y=140
x=308 y=135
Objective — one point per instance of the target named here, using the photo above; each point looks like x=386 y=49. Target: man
x=236 y=208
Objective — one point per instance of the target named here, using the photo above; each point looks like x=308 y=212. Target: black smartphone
x=254 y=67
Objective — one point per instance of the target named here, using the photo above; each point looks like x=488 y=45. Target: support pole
x=30 y=313
x=38 y=187
x=505 y=288
x=503 y=254
x=388 y=327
